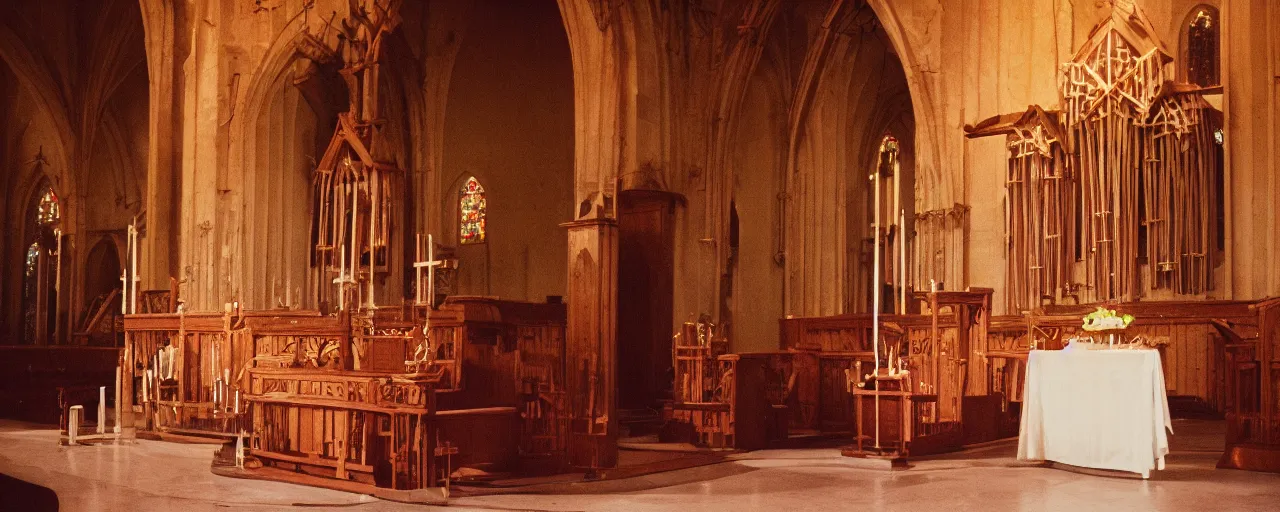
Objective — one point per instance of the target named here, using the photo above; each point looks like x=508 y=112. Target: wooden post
x=102 y=409
x=74 y=418
x=344 y=342
x=591 y=343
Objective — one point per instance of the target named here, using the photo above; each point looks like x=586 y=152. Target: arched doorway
x=100 y=293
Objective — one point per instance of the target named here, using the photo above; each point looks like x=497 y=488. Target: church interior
x=761 y=254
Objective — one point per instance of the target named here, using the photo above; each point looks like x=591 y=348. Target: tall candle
x=875 y=294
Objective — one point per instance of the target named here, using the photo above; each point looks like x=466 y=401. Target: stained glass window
x=1202 y=48
x=47 y=210
x=33 y=256
x=472 y=210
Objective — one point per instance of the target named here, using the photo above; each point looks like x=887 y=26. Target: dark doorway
x=646 y=259
x=101 y=271
x=96 y=323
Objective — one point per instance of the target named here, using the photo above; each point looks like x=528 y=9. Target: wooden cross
x=446 y=450
x=429 y=266
x=129 y=287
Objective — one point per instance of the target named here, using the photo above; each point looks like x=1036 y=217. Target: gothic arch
x=40 y=269
x=528 y=174
x=102 y=268
x=275 y=125
x=848 y=91
x=37 y=82
x=938 y=187
x=287 y=135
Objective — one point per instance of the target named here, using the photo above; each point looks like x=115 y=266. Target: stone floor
x=151 y=475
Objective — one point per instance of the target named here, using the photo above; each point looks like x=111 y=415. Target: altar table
x=1103 y=409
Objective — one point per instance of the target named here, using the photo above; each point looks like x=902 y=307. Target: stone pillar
x=591 y=345
x=159 y=247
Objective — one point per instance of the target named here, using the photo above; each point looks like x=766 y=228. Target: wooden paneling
x=591 y=359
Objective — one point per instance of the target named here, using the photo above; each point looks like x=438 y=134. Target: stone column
x=159 y=247
x=591 y=345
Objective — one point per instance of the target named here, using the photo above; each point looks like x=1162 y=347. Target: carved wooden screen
x=1038 y=214
x=1179 y=162
x=356 y=207
x=1107 y=91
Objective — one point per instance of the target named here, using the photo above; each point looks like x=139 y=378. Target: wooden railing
x=370 y=428
x=178 y=375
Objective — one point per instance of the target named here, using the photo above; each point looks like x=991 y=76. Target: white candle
x=372 y=240
x=102 y=409
x=875 y=293
x=902 y=262
x=431 y=271
x=118 y=402
x=417 y=253
x=57 y=280
x=897 y=197
x=133 y=258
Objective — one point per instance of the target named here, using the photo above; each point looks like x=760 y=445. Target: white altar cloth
x=1103 y=409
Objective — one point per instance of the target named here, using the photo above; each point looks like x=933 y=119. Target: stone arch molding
x=938 y=188
x=36 y=80
x=275 y=67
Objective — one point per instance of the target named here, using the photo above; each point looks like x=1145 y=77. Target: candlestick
x=902 y=262
x=417 y=255
x=875 y=293
x=117 y=399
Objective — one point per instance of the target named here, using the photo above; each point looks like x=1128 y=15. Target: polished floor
x=152 y=475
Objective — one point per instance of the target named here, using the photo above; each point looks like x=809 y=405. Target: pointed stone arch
x=280 y=138
x=937 y=186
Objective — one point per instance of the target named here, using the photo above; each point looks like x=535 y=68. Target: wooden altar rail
x=213 y=353
x=747 y=408
x=1226 y=353
x=498 y=350
x=1193 y=334
x=835 y=344
x=369 y=428
x=183 y=400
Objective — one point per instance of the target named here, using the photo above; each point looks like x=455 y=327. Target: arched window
x=33 y=257
x=40 y=268
x=47 y=211
x=1202 y=53
x=471 y=213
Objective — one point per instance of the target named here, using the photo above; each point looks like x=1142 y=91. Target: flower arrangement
x=1104 y=319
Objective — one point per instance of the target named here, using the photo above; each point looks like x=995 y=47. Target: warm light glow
x=1202 y=59
x=47 y=212
x=33 y=255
